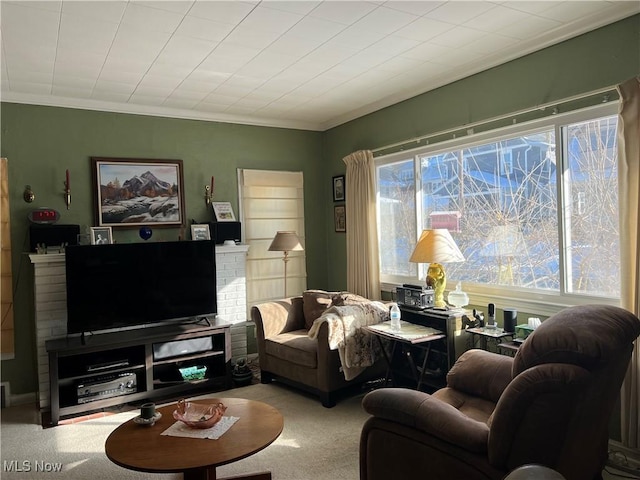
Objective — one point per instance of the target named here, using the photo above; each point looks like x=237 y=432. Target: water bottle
x=395 y=318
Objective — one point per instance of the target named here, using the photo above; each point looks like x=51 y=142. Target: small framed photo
x=223 y=211
x=200 y=232
x=338 y=188
x=340 y=218
x=101 y=236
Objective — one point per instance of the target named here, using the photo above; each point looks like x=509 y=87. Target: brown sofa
x=550 y=405
x=287 y=353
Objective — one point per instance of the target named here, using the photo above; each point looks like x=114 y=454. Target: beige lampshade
x=285 y=242
x=438 y=246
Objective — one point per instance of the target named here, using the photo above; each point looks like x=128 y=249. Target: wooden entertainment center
x=108 y=369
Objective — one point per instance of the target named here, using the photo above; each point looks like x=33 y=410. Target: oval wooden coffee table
x=142 y=448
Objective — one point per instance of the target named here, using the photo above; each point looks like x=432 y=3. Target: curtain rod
x=471 y=126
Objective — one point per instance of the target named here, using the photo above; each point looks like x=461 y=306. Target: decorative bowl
x=196 y=415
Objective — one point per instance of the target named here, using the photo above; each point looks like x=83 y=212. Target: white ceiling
x=298 y=64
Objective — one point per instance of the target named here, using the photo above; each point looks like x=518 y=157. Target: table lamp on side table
x=285 y=242
x=435 y=247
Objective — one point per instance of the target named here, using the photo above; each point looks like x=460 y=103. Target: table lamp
x=435 y=247
x=285 y=242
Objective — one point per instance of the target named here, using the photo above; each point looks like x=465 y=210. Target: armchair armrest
x=480 y=373
x=421 y=411
x=274 y=318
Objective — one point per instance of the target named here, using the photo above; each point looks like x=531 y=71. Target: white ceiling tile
x=169 y=70
x=252 y=103
x=301 y=8
x=398 y=64
x=345 y=13
x=232 y=90
x=182 y=103
x=393 y=45
x=245 y=82
x=145 y=18
x=210 y=107
x=239 y=110
x=51 y=5
x=424 y=29
x=105 y=11
x=294 y=45
x=29 y=27
x=29 y=76
x=144 y=99
x=158 y=84
x=385 y=20
x=531 y=28
x=37 y=61
x=496 y=18
x=203 y=77
x=535 y=6
x=221 y=11
x=135 y=44
x=457 y=37
x=414 y=7
x=34 y=88
x=492 y=44
x=181 y=6
x=316 y=28
x=266 y=19
x=203 y=28
x=92 y=35
x=186 y=51
x=425 y=52
x=220 y=99
x=181 y=93
x=356 y=37
x=458 y=13
x=252 y=38
x=115 y=87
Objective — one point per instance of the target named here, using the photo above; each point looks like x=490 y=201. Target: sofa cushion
x=294 y=347
x=314 y=303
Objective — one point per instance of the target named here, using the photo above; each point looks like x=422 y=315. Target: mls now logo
x=29 y=466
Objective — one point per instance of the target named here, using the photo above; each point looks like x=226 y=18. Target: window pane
x=593 y=250
x=499 y=201
x=397 y=218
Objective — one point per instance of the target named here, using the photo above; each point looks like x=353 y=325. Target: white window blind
x=271 y=201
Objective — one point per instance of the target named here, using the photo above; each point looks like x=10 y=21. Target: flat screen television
x=124 y=285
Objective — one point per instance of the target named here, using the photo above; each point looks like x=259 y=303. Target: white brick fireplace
x=50 y=298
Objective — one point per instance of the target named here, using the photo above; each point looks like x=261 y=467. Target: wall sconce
x=208 y=193
x=28 y=194
x=67 y=191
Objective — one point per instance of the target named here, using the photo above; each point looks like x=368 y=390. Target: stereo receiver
x=415 y=296
x=106 y=386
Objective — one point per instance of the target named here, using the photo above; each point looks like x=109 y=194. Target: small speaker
x=221 y=231
x=510 y=319
x=52 y=235
x=179 y=348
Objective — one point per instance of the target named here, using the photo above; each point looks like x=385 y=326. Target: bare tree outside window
x=500 y=200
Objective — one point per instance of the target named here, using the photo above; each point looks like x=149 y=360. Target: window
x=533 y=208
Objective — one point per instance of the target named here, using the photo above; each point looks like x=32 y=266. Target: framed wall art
x=101 y=236
x=200 y=232
x=340 y=218
x=223 y=211
x=131 y=192
x=338 y=188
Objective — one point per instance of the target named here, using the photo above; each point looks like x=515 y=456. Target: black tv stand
x=108 y=369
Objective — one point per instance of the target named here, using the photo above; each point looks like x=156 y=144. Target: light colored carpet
x=316 y=443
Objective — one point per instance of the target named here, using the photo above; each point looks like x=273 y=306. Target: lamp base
x=437 y=280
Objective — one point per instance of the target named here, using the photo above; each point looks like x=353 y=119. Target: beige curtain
x=629 y=186
x=363 y=264
x=6 y=280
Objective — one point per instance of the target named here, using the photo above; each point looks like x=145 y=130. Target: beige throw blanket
x=356 y=347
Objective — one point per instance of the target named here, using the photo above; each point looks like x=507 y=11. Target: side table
x=403 y=342
x=483 y=337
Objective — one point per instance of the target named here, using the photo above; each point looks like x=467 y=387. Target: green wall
x=42 y=142
x=599 y=59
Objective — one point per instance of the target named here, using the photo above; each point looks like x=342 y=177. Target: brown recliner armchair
x=287 y=353
x=550 y=405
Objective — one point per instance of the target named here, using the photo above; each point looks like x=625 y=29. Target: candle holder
x=67 y=194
